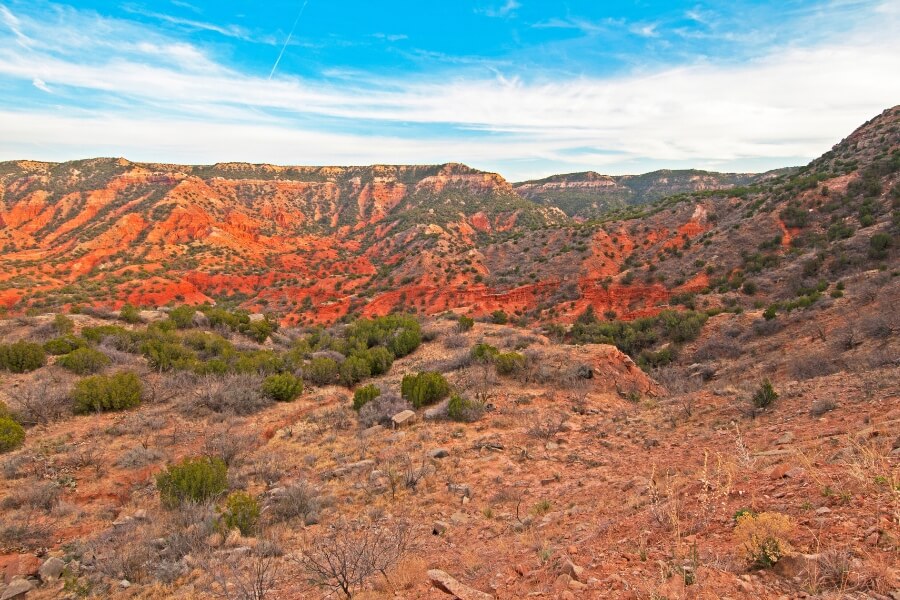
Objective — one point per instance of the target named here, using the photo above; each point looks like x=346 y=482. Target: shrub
x=103 y=393
x=63 y=345
x=770 y=313
x=84 y=361
x=405 y=342
x=192 y=480
x=11 y=434
x=363 y=395
x=262 y=362
x=749 y=288
x=183 y=316
x=878 y=245
x=499 y=317
x=165 y=356
x=130 y=314
x=765 y=395
x=380 y=360
x=424 y=388
x=260 y=330
x=465 y=323
x=63 y=324
x=463 y=409
x=509 y=363
x=238 y=394
x=299 y=500
x=484 y=352
x=353 y=370
x=763 y=537
x=321 y=371
x=283 y=387
x=21 y=357
x=241 y=512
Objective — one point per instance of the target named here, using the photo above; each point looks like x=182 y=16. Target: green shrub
x=260 y=330
x=380 y=360
x=499 y=317
x=648 y=359
x=263 y=362
x=321 y=370
x=107 y=392
x=483 y=352
x=4 y=411
x=21 y=357
x=770 y=313
x=183 y=316
x=130 y=314
x=353 y=370
x=465 y=323
x=363 y=395
x=765 y=395
x=878 y=245
x=165 y=356
x=63 y=345
x=84 y=361
x=425 y=388
x=283 y=387
x=11 y=434
x=192 y=480
x=749 y=288
x=241 y=512
x=121 y=338
x=509 y=363
x=63 y=324
x=405 y=342
x=463 y=409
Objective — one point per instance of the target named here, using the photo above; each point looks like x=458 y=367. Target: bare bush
x=809 y=366
x=138 y=457
x=44 y=400
x=246 y=576
x=763 y=327
x=40 y=496
x=235 y=394
x=717 y=348
x=548 y=426
x=297 y=501
x=820 y=407
x=454 y=341
x=341 y=560
x=381 y=409
x=229 y=444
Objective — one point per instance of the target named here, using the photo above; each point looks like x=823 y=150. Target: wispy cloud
x=156 y=98
x=503 y=10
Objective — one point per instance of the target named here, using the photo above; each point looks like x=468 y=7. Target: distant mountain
x=589 y=194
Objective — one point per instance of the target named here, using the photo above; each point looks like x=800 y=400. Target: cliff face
x=317 y=243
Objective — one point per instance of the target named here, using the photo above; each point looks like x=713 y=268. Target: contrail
x=288 y=40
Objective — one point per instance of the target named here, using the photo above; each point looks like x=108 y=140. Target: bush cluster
x=424 y=388
x=241 y=512
x=101 y=393
x=282 y=387
x=633 y=336
x=765 y=396
x=11 y=434
x=363 y=395
x=84 y=361
x=21 y=357
x=192 y=480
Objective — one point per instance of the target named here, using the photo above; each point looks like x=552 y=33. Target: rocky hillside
x=589 y=195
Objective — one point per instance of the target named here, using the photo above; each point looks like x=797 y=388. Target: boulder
x=403 y=418
x=444 y=582
x=52 y=569
x=439 y=528
x=573 y=570
x=16 y=589
x=200 y=320
x=439 y=453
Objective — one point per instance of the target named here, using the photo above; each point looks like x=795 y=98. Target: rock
x=140 y=515
x=403 y=418
x=796 y=473
x=18 y=565
x=779 y=471
x=562 y=582
x=257 y=317
x=461 y=489
x=797 y=565
x=125 y=584
x=823 y=510
x=786 y=438
x=373 y=430
x=439 y=453
x=199 y=320
x=552 y=446
x=439 y=411
x=439 y=528
x=444 y=582
x=573 y=570
x=52 y=569
x=17 y=589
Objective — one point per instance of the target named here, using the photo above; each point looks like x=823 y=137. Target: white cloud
x=39 y=84
x=169 y=101
x=504 y=10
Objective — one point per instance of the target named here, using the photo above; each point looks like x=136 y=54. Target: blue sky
x=521 y=87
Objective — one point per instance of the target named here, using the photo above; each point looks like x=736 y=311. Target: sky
x=525 y=88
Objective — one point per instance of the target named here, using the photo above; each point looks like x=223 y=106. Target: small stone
x=125 y=584
x=796 y=473
x=439 y=453
x=439 y=528
x=786 y=438
x=52 y=569
x=779 y=471
x=824 y=510
x=140 y=515
x=552 y=446
x=573 y=570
